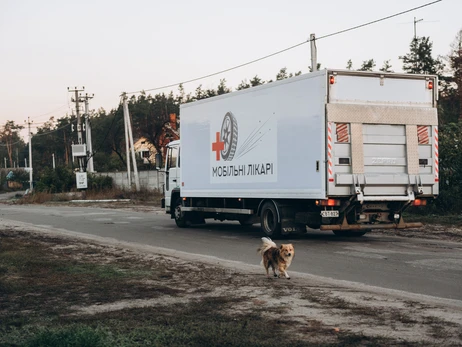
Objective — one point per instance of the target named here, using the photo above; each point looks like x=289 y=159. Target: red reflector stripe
x=342 y=132
x=422 y=135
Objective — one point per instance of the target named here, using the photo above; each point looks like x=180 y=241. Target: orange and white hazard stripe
x=341 y=130
x=435 y=138
x=422 y=134
x=329 y=152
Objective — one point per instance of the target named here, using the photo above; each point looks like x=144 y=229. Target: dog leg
x=274 y=269
x=283 y=271
x=266 y=265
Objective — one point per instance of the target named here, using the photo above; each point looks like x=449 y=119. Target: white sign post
x=81 y=178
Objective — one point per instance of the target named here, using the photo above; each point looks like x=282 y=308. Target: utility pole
x=415 y=26
x=85 y=99
x=53 y=157
x=127 y=145
x=30 y=155
x=130 y=135
x=79 y=125
x=314 y=53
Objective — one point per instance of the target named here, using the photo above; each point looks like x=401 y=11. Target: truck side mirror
x=158 y=161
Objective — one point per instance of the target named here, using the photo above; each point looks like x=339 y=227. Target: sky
x=112 y=46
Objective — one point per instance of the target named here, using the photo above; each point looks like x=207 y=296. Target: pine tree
x=349 y=64
x=419 y=60
x=367 y=65
x=386 y=66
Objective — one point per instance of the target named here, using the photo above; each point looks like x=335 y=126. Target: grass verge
x=62 y=292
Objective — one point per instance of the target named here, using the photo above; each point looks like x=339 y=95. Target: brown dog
x=275 y=257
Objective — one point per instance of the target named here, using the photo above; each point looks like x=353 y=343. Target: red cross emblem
x=218 y=146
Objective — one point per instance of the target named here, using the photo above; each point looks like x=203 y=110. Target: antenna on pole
x=415 y=26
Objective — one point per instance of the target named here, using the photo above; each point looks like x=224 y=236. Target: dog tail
x=267 y=243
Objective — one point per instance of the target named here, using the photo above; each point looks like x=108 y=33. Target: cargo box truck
x=336 y=150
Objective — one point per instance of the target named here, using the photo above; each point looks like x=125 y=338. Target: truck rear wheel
x=180 y=218
x=269 y=220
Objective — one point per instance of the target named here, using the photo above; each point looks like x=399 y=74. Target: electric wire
x=11 y=144
x=287 y=49
x=51 y=131
x=105 y=136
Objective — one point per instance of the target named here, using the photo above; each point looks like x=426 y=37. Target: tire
x=229 y=136
x=269 y=220
x=351 y=233
x=180 y=218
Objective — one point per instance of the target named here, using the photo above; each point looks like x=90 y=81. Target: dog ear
x=281 y=247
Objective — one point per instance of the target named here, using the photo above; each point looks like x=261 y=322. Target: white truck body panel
x=305 y=138
x=278 y=142
x=398 y=90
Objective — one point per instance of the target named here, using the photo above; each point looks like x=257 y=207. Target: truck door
x=172 y=170
x=382 y=136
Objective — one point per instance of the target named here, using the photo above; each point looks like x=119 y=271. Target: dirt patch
x=52 y=285
x=430 y=231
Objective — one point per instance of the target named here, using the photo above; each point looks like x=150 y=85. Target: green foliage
x=451 y=91
x=70 y=336
x=55 y=181
x=450 y=165
x=282 y=74
x=310 y=69
x=96 y=182
x=367 y=65
x=20 y=176
x=222 y=88
x=256 y=81
x=419 y=60
x=386 y=66
x=12 y=146
x=349 y=65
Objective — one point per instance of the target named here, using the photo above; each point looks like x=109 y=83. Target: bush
x=96 y=182
x=58 y=180
x=78 y=336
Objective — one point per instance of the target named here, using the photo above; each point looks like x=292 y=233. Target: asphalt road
x=413 y=265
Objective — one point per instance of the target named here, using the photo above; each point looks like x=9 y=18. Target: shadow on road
x=253 y=232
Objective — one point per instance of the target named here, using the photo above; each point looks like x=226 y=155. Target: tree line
x=151 y=113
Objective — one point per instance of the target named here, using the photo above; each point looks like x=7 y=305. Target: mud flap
x=288 y=226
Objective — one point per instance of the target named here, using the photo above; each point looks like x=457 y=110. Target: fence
x=148 y=179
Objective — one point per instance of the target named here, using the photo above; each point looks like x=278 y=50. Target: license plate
x=329 y=214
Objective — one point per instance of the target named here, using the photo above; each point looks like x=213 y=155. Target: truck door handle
x=174 y=180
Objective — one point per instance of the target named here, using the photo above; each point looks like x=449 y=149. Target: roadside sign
x=81 y=178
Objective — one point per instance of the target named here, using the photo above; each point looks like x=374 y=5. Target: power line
x=52 y=131
x=288 y=48
x=226 y=70
x=11 y=144
x=107 y=134
x=379 y=20
x=45 y=114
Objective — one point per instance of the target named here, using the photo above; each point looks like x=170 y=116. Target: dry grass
x=59 y=292
x=143 y=197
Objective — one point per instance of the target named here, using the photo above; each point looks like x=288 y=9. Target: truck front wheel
x=269 y=220
x=180 y=219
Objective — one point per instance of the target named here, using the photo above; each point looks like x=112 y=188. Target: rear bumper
x=371 y=226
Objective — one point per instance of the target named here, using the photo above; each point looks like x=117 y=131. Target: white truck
x=336 y=150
